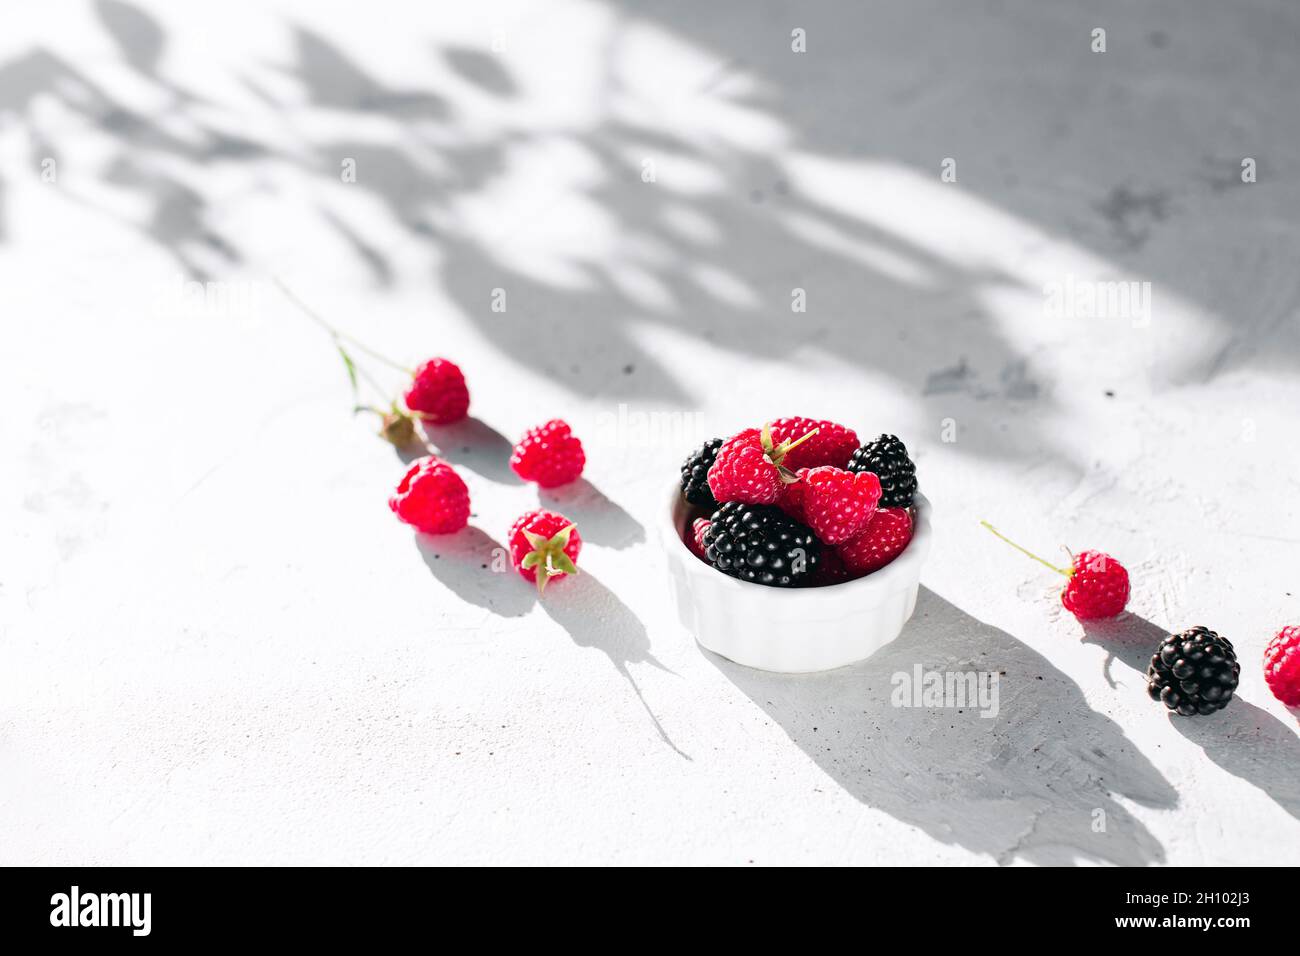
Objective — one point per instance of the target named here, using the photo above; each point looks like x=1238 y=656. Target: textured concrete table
x=216 y=644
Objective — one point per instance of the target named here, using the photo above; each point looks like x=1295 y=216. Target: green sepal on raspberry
x=396 y=425
x=750 y=467
x=548 y=556
x=544 y=545
x=834 y=444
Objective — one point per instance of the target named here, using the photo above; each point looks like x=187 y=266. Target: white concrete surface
x=216 y=644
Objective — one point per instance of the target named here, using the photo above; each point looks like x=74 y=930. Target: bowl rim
x=902 y=572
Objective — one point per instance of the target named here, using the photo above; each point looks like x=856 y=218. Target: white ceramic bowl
x=792 y=631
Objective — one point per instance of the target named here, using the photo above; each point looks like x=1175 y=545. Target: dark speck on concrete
x=952 y=379
x=1131 y=214
x=629 y=369
x=1016 y=383
x=1158 y=39
x=1110 y=393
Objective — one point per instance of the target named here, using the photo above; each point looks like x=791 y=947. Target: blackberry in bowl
x=777 y=625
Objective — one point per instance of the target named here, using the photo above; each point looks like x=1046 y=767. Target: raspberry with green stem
x=1026 y=551
x=776 y=453
x=750 y=467
x=1096 y=585
x=544 y=545
x=548 y=557
x=397 y=424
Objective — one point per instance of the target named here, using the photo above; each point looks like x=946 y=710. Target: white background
x=218 y=646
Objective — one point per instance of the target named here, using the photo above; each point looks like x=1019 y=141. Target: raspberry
x=750 y=468
x=695 y=540
x=437 y=392
x=544 y=540
x=431 y=497
x=1282 y=666
x=833 y=444
x=886 y=457
x=837 y=504
x=885 y=537
x=1096 y=586
x=695 y=474
x=549 y=454
x=759 y=543
x=1194 y=672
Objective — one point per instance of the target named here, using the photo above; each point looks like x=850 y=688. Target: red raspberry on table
x=750 y=467
x=837 y=504
x=695 y=540
x=549 y=454
x=832 y=445
x=1098 y=586
x=1282 y=666
x=544 y=541
x=431 y=497
x=883 y=539
x=438 y=393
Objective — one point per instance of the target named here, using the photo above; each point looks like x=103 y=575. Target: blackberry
x=887 y=457
x=695 y=474
x=762 y=544
x=1194 y=672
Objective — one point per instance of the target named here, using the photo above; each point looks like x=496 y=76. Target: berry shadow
x=1245 y=740
x=476 y=568
x=600 y=520
x=594 y=616
x=1126 y=638
x=1249 y=742
x=1024 y=785
x=472 y=443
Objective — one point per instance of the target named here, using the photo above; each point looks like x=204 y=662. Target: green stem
x=1024 y=551
x=783 y=449
x=335 y=333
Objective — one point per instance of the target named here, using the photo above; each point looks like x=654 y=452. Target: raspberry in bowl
x=754 y=582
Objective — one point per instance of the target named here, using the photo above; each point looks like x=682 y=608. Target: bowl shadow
x=1036 y=781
